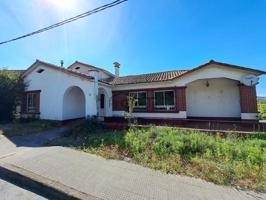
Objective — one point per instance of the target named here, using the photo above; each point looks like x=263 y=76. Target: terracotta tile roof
x=147 y=78
x=170 y=75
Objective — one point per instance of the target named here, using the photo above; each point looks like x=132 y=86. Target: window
x=141 y=103
x=77 y=68
x=164 y=100
x=31 y=102
x=40 y=71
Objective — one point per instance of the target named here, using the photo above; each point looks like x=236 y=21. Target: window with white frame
x=31 y=102
x=141 y=103
x=164 y=100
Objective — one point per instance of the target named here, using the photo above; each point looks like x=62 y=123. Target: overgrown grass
x=25 y=127
x=228 y=161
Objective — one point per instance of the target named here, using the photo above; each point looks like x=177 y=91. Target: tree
x=132 y=100
x=12 y=87
x=262 y=110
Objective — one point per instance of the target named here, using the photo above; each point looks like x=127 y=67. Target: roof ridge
x=99 y=68
x=153 y=73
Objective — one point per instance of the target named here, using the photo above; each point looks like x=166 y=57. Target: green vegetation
x=25 y=126
x=11 y=90
x=223 y=160
x=262 y=110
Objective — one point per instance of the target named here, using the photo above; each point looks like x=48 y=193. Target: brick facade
x=37 y=102
x=181 y=99
x=120 y=99
x=248 y=99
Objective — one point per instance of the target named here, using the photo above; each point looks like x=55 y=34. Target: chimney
x=117 y=66
x=62 y=63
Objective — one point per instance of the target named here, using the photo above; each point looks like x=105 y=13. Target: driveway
x=11 y=145
x=112 y=179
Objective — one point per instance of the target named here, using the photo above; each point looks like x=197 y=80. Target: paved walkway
x=115 y=180
x=9 y=191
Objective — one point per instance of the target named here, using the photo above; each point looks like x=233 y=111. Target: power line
x=96 y=10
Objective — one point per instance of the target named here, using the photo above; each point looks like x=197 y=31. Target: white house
x=212 y=90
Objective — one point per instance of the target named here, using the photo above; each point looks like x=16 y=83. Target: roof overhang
x=225 y=65
x=93 y=67
x=37 y=63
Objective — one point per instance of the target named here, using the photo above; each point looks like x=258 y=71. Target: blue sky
x=144 y=36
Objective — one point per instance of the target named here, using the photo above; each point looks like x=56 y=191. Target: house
x=213 y=90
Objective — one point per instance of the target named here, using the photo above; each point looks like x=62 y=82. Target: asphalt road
x=8 y=191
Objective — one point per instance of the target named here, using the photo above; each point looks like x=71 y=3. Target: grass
x=20 y=128
x=227 y=160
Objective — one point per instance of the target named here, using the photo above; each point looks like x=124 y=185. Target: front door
x=102 y=105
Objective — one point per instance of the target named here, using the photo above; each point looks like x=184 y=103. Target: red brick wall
x=181 y=99
x=120 y=99
x=248 y=99
x=150 y=99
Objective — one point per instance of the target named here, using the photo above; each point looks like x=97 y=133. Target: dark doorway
x=102 y=101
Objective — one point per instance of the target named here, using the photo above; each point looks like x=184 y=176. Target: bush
x=11 y=91
x=229 y=160
x=89 y=126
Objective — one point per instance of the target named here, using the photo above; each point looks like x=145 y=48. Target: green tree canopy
x=11 y=92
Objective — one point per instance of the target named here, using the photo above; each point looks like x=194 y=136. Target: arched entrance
x=74 y=103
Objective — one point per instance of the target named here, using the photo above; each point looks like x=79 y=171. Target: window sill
x=158 y=111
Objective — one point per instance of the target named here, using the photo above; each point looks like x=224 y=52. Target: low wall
x=216 y=125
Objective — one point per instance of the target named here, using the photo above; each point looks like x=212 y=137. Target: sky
x=143 y=36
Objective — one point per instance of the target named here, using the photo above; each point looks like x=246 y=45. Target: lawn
x=19 y=128
x=226 y=160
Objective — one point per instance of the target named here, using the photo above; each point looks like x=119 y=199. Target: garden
x=228 y=160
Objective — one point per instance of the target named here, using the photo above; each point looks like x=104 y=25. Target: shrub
x=262 y=110
x=86 y=127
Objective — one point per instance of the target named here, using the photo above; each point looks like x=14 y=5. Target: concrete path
x=9 y=191
x=117 y=180
x=10 y=145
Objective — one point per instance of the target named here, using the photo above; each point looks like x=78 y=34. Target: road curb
x=38 y=184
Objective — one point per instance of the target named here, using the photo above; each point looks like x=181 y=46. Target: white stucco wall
x=220 y=99
x=53 y=85
x=250 y=116
x=86 y=70
x=107 y=91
